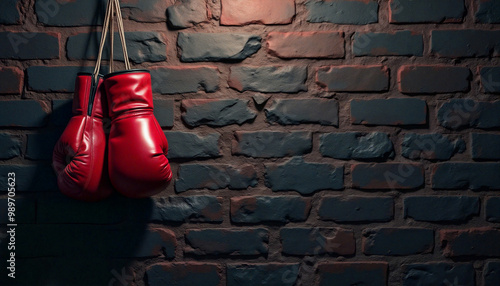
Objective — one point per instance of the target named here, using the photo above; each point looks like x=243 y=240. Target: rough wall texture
x=340 y=142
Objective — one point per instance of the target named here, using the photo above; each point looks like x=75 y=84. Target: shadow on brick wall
x=60 y=241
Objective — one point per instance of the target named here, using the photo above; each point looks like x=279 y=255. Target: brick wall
x=340 y=142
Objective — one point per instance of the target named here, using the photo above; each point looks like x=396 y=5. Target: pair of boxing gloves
x=132 y=159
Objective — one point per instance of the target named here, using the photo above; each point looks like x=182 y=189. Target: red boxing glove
x=138 y=164
x=79 y=155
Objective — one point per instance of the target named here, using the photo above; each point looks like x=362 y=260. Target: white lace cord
x=104 y=33
x=119 y=20
x=112 y=40
x=112 y=5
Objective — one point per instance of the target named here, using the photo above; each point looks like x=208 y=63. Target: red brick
x=185 y=14
x=397 y=241
x=433 y=79
x=297 y=111
x=72 y=13
x=490 y=77
x=216 y=112
x=227 y=241
x=400 y=43
x=387 y=176
x=359 y=78
x=440 y=273
x=29 y=46
x=482 y=241
x=10 y=146
x=255 y=209
x=428 y=11
x=251 y=274
x=459 y=113
x=143 y=46
x=239 y=13
x=184 y=273
x=304 y=177
x=11 y=79
x=269 y=144
x=391 y=111
x=33 y=113
x=215 y=176
x=184 y=79
x=10 y=12
x=465 y=43
x=488 y=11
x=491 y=273
x=317 y=241
x=466 y=175
x=152 y=11
x=353 y=273
x=353 y=12
x=269 y=78
x=317 y=44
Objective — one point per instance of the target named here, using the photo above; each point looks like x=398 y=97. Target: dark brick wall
x=335 y=142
